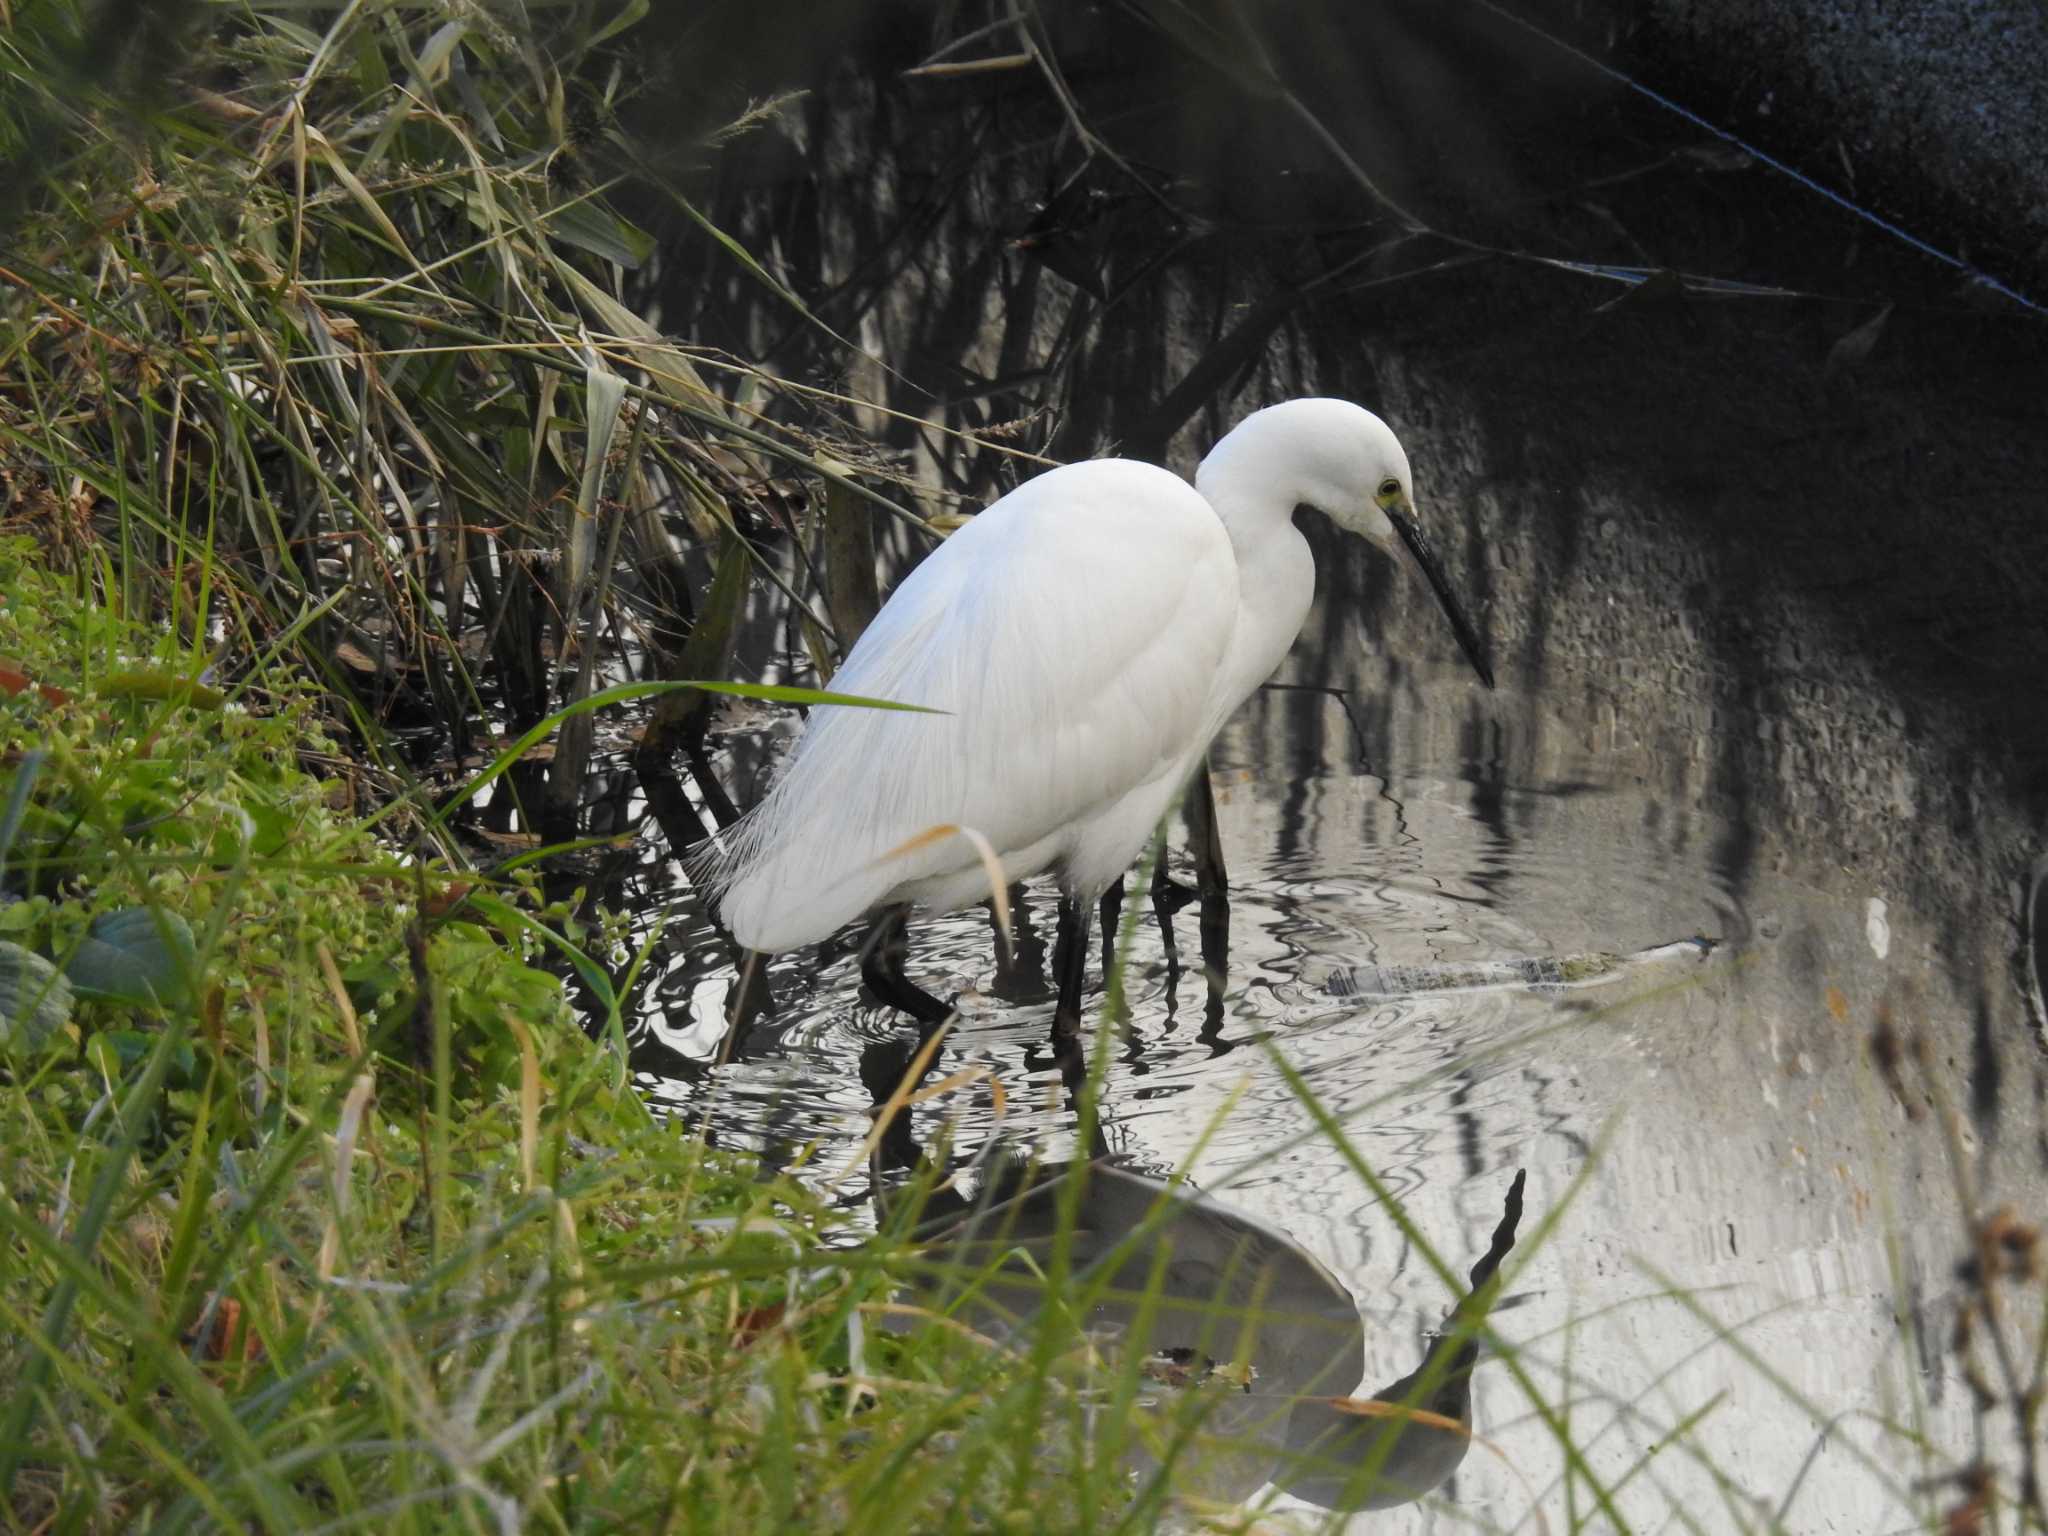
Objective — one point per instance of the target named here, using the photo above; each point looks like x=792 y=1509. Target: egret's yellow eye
x=1390 y=489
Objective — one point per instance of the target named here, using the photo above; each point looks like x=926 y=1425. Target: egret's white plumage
x=1086 y=636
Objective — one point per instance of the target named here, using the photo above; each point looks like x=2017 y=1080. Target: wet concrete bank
x=1935 y=116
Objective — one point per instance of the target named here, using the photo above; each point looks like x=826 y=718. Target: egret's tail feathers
x=774 y=906
x=777 y=892
x=774 y=890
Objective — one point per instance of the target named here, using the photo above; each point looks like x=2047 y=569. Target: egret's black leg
x=1168 y=897
x=1073 y=1065
x=882 y=1069
x=747 y=1001
x=1111 y=912
x=883 y=1065
x=1212 y=884
x=1020 y=975
x=1070 y=962
x=1212 y=880
x=881 y=968
x=1215 y=966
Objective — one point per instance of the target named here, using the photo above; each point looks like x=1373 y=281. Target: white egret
x=1086 y=636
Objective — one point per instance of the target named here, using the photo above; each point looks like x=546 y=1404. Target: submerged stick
x=1543 y=973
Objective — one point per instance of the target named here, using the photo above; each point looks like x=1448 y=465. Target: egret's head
x=1390 y=521
x=1345 y=462
x=1357 y=473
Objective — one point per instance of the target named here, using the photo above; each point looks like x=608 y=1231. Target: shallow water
x=1709 y=1138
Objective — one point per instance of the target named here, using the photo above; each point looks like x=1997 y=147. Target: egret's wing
x=1072 y=635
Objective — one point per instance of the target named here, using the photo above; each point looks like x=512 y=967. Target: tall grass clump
x=335 y=297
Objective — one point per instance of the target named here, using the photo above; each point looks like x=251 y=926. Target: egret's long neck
x=1276 y=574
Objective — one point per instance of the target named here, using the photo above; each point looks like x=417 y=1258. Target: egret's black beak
x=1425 y=556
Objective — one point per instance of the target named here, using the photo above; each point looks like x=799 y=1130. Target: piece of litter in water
x=1544 y=972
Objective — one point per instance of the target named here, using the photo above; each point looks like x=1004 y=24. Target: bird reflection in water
x=1236 y=1330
